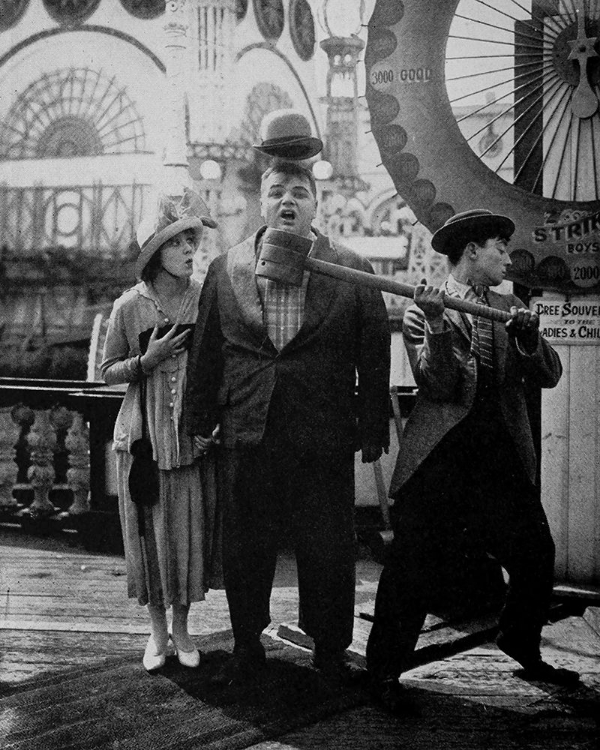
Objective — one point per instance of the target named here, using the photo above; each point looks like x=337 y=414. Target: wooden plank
x=471 y=701
x=91 y=625
x=432 y=644
x=584 y=414
x=576 y=592
x=200 y=623
x=592 y=618
x=488 y=677
x=123 y=615
x=554 y=460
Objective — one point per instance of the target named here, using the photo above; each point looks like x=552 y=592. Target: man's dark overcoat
x=445 y=371
x=291 y=420
x=234 y=367
x=464 y=485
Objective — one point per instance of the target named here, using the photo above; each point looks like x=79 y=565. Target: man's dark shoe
x=336 y=666
x=544 y=672
x=246 y=664
x=389 y=695
x=534 y=668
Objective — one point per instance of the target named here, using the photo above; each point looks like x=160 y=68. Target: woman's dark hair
x=455 y=246
x=152 y=267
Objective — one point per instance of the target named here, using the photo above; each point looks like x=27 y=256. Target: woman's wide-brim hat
x=173 y=214
x=466 y=222
x=286 y=134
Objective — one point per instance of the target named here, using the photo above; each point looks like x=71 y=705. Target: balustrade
x=48 y=432
x=9 y=434
x=57 y=469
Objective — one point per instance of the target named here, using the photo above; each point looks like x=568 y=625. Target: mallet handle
x=396 y=287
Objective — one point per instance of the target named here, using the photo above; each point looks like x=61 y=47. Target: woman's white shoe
x=189 y=659
x=153 y=658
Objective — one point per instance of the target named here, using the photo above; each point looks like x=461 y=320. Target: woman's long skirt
x=170 y=553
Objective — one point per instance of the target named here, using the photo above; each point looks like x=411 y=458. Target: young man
x=467 y=469
x=298 y=379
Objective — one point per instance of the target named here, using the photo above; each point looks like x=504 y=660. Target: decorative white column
x=9 y=434
x=177 y=58
x=214 y=28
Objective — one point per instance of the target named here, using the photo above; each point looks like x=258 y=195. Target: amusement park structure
x=497 y=104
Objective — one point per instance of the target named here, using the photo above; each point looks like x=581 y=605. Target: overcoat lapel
x=241 y=263
x=459 y=320
x=320 y=293
x=500 y=333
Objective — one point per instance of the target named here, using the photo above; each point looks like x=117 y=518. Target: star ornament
x=582 y=49
x=584 y=102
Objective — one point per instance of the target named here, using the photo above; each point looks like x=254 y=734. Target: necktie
x=482 y=335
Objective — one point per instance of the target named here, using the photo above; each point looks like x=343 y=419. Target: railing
x=97 y=218
x=54 y=472
x=56 y=463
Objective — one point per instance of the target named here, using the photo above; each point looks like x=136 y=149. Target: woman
x=168 y=545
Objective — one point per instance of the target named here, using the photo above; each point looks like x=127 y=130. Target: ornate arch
x=262 y=99
x=87 y=29
x=270 y=48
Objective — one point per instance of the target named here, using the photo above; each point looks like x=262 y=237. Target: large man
x=467 y=471
x=298 y=379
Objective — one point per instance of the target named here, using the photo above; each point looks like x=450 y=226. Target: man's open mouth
x=288 y=215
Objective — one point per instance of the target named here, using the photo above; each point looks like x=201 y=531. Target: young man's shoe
x=534 y=667
x=544 y=672
x=389 y=695
x=246 y=664
x=336 y=666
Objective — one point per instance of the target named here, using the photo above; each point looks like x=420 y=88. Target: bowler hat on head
x=172 y=214
x=466 y=222
x=286 y=134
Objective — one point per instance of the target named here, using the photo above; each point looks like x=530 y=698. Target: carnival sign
x=496 y=106
x=568 y=321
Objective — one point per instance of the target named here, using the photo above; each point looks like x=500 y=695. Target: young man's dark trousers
x=471 y=492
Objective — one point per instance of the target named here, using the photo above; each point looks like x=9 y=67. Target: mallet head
x=282 y=256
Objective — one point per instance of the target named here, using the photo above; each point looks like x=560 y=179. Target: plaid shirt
x=283 y=308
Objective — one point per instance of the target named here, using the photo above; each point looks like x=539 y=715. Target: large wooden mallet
x=284 y=257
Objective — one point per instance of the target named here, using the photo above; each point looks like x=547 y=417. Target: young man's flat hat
x=461 y=224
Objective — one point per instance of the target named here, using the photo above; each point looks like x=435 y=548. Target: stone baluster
x=78 y=476
x=42 y=444
x=9 y=434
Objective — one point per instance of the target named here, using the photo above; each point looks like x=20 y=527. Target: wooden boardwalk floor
x=63 y=608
